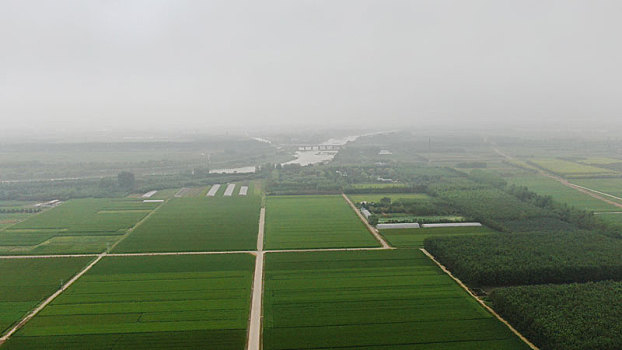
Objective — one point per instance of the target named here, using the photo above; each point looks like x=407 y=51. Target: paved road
x=254 y=327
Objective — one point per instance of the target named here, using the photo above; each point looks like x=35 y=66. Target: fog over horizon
x=238 y=66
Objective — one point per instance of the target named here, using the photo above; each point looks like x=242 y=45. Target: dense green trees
x=513 y=259
x=583 y=316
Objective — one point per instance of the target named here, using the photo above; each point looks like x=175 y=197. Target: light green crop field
x=313 y=222
x=27 y=282
x=198 y=224
x=568 y=168
x=600 y=161
x=9 y=219
x=153 y=302
x=77 y=226
x=612 y=186
x=165 y=194
x=376 y=197
x=414 y=237
x=548 y=187
x=379 y=185
x=379 y=300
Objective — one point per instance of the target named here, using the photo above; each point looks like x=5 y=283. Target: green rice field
x=27 y=282
x=294 y=222
x=612 y=186
x=372 y=300
x=157 y=302
x=77 y=226
x=549 y=187
x=568 y=168
x=197 y=224
x=414 y=237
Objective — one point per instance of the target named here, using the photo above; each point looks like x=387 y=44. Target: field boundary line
x=28 y=218
x=256 y=313
x=369 y=227
x=220 y=252
x=481 y=302
x=131 y=229
x=304 y=250
x=51 y=298
x=49 y=256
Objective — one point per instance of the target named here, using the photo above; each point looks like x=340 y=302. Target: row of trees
x=565 y=317
x=530 y=258
x=19 y=210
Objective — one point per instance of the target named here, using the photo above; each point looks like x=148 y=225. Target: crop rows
x=148 y=302
x=77 y=226
x=414 y=237
x=372 y=300
x=26 y=282
x=198 y=224
x=313 y=222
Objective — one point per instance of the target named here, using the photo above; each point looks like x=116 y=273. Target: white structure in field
x=398 y=225
x=153 y=201
x=212 y=191
x=229 y=190
x=149 y=194
x=243 y=190
x=365 y=213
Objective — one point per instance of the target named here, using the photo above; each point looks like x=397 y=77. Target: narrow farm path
x=46 y=256
x=590 y=192
x=51 y=298
x=370 y=228
x=481 y=302
x=254 y=327
x=137 y=225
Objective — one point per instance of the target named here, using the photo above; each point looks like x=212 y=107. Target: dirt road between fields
x=51 y=298
x=590 y=192
x=370 y=228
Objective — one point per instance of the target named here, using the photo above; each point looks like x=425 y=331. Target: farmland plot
x=372 y=300
x=414 y=237
x=26 y=282
x=198 y=224
x=155 y=302
x=77 y=226
x=611 y=186
x=313 y=222
x=561 y=193
x=570 y=169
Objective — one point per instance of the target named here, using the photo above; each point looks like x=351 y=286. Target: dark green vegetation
x=414 y=237
x=27 y=282
x=313 y=222
x=511 y=259
x=161 y=302
x=372 y=300
x=565 y=317
x=77 y=226
x=198 y=224
x=407 y=207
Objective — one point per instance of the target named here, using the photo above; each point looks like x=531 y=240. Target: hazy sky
x=208 y=64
